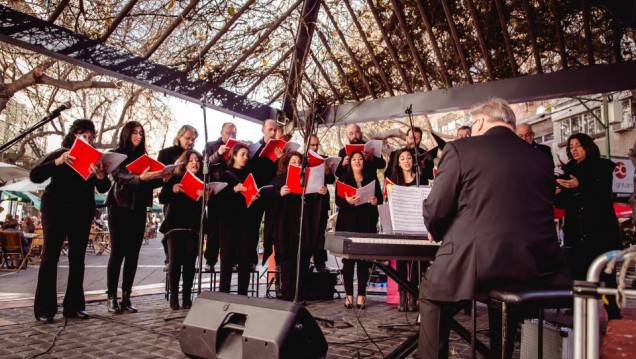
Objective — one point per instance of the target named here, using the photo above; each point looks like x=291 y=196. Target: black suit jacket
x=491 y=205
x=546 y=150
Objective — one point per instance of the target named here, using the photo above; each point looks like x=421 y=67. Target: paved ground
x=154 y=331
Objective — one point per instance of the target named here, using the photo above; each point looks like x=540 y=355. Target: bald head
x=524 y=131
x=354 y=135
x=268 y=130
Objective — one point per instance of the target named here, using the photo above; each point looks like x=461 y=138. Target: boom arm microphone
x=58 y=111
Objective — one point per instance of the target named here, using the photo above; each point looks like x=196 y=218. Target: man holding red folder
x=354 y=135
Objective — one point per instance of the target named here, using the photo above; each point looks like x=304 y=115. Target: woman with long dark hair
x=127 y=201
x=236 y=220
x=363 y=219
x=282 y=227
x=403 y=174
x=591 y=227
x=68 y=205
x=181 y=228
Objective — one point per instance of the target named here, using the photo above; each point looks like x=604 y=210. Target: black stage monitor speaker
x=225 y=326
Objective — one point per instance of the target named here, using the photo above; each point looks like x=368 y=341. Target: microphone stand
x=48 y=118
x=416 y=159
x=204 y=200
x=303 y=177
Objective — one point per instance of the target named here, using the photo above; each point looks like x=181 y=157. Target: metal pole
x=605 y=117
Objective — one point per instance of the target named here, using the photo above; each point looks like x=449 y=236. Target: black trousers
x=57 y=226
x=288 y=275
x=435 y=327
x=235 y=245
x=182 y=251
x=320 y=257
x=363 y=275
x=212 y=243
x=126 y=236
x=409 y=271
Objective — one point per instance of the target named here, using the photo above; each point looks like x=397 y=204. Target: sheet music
x=291 y=147
x=168 y=169
x=112 y=160
x=374 y=146
x=217 y=186
x=366 y=193
x=333 y=162
x=316 y=179
x=253 y=148
x=405 y=204
x=385 y=218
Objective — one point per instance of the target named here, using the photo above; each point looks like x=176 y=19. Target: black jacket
x=170 y=155
x=263 y=169
x=362 y=218
x=591 y=227
x=128 y=191
x=544 y=149
x=181 y=211
x=369 y=167
x=492 y=208
x=216 y=161
x=67 y=190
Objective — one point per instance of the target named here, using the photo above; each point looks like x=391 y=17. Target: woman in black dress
x=127 y=201
x=403 y=174
x=181 y=228
x=282 y=227
x=591 y=227
x=68 y=206
x=363 y=219
x=236 y=220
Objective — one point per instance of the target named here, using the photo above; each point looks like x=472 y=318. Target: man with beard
x=354 y=135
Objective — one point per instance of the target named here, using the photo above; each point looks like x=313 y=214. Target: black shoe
x=80 y=314
x=44 y=318
x=362 y=305
x=402 y=305
x=174 y=301
x=348 y=303
x=412 y=303
x=125 y=304
x=187 y=300
x=113 y=306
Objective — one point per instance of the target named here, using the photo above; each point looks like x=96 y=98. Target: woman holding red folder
x=282 y=226
x=403 y=174
x=363 y=219
x=236 y=220
x=68 y=207
x=127 y=201
x=181 y=228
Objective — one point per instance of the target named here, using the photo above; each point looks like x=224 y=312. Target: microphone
x=57 y=111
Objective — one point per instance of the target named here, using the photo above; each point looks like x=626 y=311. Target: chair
x=35 y=251
x=12 y=247
x=529 y=302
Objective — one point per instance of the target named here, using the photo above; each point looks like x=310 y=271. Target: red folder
x=293 y=179
x=139 y=165
x=353 y=148
x=230 y=143
x=314 y=159
x=190 y=185
x=85 y=155
x=268 y=151
x=343 y=189
x=252 y=189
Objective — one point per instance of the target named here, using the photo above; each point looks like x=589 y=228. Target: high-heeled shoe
x=113 y=305
x=49 y=319
x=348 y=302
x=126 y=305
x=362 y=305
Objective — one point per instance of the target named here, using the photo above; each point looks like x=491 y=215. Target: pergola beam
x=588 y=80
x=414 y=52
x=533 y=36
x=343 y=74
x=389 y=46
x=176 y=22
x=37 y=35
x=480 y=36
x=204 y=51
x=455 y=37
x=326 y=77
x=256 y=44
x=118 y=19
x=58 y=11
x=352 y=56
x=374 y=58
x=304 y=36
x=506 y=37
x=268 y=72
x=431 y=38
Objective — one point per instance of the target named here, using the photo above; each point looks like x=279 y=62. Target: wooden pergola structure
x=362 y=59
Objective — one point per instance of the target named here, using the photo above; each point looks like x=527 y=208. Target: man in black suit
x=524 y=131
x=215 y=151
x=491 y=206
